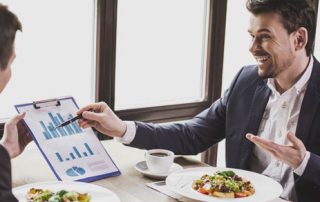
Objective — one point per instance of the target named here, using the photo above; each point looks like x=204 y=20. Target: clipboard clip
x=46 y=103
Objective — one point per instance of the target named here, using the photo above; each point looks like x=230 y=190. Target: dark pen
x=72 y=120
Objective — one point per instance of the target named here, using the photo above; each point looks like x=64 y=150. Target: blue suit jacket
x=6 y=194
x=238 y=112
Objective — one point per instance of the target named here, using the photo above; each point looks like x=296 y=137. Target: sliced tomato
x=203 y=191
x=240 y=195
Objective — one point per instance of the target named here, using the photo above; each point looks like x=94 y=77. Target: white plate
x=143 y=168
x=97 y=193
x=266 y=189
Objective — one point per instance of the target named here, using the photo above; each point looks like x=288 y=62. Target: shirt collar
x=300 y=84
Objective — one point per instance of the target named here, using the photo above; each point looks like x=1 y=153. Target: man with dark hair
x=270 y=114
x=9 y=26
x=15 y=136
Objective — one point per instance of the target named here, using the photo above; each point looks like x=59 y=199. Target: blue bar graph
x=88 y=148
x=72 y=156
x=59 y=157
x=46 y=132
x=50 y=131
x=76 y=154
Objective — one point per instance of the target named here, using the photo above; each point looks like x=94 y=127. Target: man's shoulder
x=249 y=75
x=245 y=82
x=249 y=70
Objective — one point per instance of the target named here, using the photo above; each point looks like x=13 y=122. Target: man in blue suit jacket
x=270 y=114
x=15 y=136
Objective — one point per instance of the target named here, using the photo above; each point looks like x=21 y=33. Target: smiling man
x=282 y=39
x=270 y=114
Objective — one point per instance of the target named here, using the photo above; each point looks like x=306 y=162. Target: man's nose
x=254 y=45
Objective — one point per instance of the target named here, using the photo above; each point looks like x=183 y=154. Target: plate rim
x=205 y=169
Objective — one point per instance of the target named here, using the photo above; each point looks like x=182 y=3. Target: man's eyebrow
x=260 y=30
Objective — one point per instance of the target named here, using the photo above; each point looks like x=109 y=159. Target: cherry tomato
x=203 y=191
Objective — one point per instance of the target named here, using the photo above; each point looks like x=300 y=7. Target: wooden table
x=31 y=167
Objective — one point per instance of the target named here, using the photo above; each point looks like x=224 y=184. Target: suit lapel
x=308 y=110
x=310 y=104
x=257 y=107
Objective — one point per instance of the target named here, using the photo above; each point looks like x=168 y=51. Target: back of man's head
x=9 y=24
x=294 y=14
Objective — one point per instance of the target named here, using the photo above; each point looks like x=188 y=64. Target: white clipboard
x=73 y=153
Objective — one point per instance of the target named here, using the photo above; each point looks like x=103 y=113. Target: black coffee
x=159 y=154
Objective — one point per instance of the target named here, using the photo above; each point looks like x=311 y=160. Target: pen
x=72 y=120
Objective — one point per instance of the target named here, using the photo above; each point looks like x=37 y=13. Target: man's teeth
x=262 y=58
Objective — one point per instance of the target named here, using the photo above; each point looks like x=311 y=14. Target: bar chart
x=73 y=153
x=50 y=132
x=76 y=153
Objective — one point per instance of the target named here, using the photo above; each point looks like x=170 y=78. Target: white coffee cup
x=159 y=160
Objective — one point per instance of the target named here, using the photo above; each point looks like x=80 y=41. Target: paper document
x=73 y=153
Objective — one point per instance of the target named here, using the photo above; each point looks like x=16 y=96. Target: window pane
x=237 y=41
x=161 y=47
x=236 y=51
x=55 y=52
x=317 y=40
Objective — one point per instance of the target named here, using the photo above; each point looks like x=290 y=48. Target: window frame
x=106 y=57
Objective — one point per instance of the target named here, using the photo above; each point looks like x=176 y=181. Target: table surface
x=31 y=167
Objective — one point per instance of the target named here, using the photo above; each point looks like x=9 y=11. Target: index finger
x=266 y=144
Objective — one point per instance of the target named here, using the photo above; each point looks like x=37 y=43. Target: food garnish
x=45 y=195
x=224 y=184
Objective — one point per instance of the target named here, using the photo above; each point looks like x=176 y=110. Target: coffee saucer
x=143 y=169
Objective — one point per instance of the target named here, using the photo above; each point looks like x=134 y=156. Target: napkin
x=163 y=188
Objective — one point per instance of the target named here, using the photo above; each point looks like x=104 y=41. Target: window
x=106 y=61
x=55 y=52
x=317 y=39
x=237 y=42
x=160 y=52
x=162 y=55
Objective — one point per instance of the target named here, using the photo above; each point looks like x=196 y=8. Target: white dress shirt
x=280 y=116
x=129 y=134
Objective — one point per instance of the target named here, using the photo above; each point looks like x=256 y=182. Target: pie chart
x=75 y=171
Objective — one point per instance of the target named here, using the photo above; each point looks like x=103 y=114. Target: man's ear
x=301 y=38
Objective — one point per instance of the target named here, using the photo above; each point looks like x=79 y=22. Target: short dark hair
x=9 y=24
x=294 y=14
